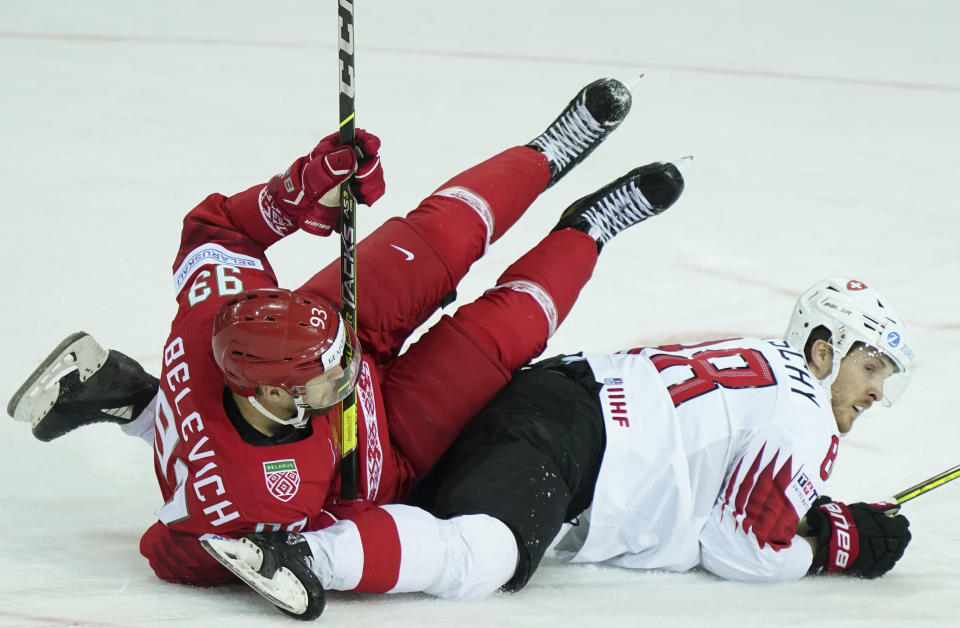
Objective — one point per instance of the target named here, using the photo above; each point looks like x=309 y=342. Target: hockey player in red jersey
x=670 y=457
x=243 y=417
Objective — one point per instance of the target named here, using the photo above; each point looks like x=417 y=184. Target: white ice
x=825 y=138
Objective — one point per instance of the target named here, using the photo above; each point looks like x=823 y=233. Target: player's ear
x=821 y=358
x=272 y=393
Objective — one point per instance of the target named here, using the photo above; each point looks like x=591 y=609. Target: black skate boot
x=591 y=116
x=641 y=193
x=80 y=383
x=277 y=565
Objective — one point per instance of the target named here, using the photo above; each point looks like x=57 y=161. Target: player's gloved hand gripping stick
x=860 y=539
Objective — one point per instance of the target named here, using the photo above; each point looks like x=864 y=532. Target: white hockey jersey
x=713 y=454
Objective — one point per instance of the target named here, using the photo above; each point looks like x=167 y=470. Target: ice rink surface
x=825 y=138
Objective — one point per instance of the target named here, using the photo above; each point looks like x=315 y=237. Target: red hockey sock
x=494 y=194
x=513 y=322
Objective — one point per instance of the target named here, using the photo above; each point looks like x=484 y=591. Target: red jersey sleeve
x=223 y=238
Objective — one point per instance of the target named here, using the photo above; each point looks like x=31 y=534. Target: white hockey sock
x=462 y=558
x=144 y=423
x=338 y=545
x=465 y=557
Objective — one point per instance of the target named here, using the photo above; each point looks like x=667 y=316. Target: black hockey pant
x=530 y=459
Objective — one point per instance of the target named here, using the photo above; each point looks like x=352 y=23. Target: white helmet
x=853 y=312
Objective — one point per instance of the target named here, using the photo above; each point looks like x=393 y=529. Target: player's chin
x=850 y=421
x=845 y=421
x=844 y=416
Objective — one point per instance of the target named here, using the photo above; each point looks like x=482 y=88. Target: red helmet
x=277 y=337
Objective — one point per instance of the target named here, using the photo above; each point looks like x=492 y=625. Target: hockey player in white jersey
x=671 y=457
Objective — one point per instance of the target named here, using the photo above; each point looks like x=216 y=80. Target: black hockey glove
x=860 y=540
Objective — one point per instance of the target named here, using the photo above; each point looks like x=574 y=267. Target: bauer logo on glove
x=863 y=540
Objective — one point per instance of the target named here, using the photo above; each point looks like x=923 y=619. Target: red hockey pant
x=407 y=266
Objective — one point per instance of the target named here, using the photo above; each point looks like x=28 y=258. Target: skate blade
x=33 y=400
x=243 y=558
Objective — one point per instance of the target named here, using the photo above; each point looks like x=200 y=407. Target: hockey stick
x=927 y=485
x=348 y=251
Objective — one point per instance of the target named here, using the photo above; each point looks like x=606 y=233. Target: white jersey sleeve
x=751 y=531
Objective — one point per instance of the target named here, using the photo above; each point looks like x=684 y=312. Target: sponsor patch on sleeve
x=801 y=492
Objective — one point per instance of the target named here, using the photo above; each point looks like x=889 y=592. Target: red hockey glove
x=861 y=539
x=368 y=185
x=306 y=194
x=296 y=197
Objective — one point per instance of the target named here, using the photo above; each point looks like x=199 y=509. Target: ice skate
x=641 y=193
x=591 y=116
x=275 y=565
x=81 y=383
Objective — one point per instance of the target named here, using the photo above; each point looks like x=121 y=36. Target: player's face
x=859 y=385
x=328 y=389
x=321 y=392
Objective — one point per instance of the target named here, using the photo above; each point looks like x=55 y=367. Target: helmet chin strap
x=827 y=382
x=298 y=421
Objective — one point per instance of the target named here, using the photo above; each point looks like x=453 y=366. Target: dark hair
x=819 y=332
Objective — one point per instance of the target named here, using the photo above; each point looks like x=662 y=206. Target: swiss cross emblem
x=282 y=477
x=853 y=284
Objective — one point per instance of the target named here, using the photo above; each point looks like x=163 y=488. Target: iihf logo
x=893 y=339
